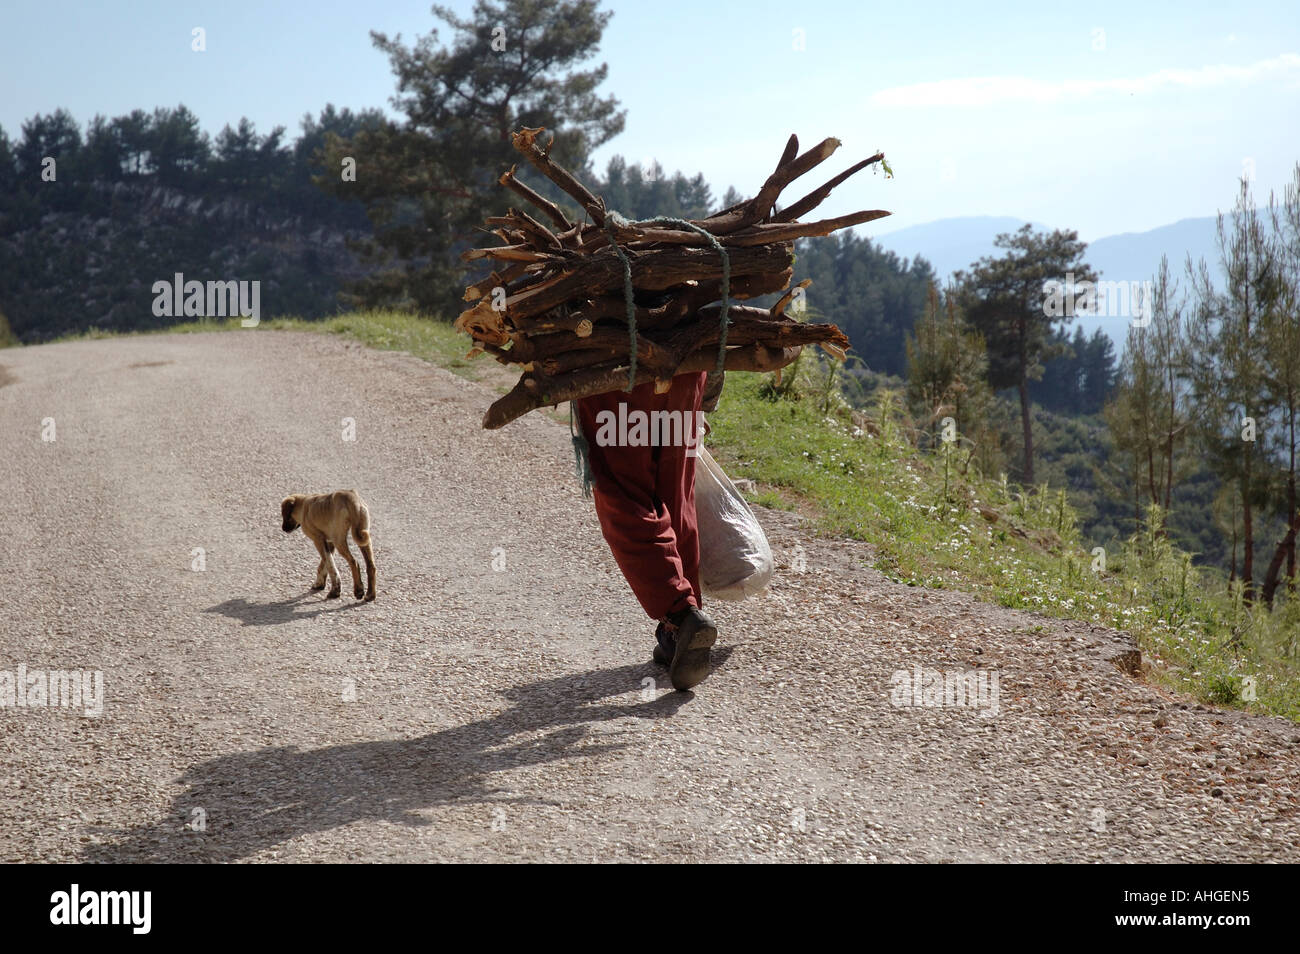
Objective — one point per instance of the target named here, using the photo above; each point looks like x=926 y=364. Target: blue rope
x=612 y=220
x=581 y=452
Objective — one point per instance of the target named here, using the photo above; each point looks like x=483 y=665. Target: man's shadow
x=285 y=611
x=251 y=801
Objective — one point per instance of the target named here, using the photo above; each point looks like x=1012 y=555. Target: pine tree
x=640 y=193
x=872 y=294
x=429 y=180
x=1281 y=355
x=178 y=147
x=946 y=368
x=1097 y=372
x=1148 y=414
x=1006 y=299
x=1226 y=361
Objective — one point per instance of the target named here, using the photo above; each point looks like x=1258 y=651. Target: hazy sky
x=1123 y=117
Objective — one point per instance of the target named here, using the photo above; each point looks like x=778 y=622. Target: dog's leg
x=335 y=588
x=324 y=561
x=370 y=570
x=361 y=533
x=357 y=589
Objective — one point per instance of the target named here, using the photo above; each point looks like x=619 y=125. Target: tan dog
x=326 y=520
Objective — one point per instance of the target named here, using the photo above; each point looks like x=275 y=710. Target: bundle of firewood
x=558 y=305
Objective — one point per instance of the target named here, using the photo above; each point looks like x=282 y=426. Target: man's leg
x=688 y=631
x=676 y=487
x=645 y=499
x=636 y=521
x=675 y=482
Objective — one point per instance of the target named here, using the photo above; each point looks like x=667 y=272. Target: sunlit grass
x=425 y=338
x=929 y=525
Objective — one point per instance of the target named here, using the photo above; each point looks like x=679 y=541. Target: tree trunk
x=1028 y=428
x=1232 y=575
x=1169 y=448
x=1247 y=537
x=1151 y=471
x=1291 y=495
x=1275 y=566
x=1137 y=492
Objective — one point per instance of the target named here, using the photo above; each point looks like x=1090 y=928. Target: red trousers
x=645 y=495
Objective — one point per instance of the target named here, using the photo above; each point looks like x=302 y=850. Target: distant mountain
x=1135 y=256
x=949 y=244
x=953 y=244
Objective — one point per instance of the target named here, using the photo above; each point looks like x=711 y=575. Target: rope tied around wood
x=581 y=452
x=614 y=220
x=558 y=276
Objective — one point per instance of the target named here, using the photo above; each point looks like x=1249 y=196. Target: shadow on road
x=285 y=611
x=256 y=800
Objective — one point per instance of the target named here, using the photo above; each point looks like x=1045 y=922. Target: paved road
x=497 y=701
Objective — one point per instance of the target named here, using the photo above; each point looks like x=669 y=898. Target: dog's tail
x=361 y=525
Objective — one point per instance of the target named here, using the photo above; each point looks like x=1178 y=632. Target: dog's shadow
x=239 y=804
x=285 y=611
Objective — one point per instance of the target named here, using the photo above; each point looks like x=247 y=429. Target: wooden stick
x=653 y=270
x=771 y=191
x=495 y=280
x=789 y=231
x=534 y=391
x=776 y=231
x=686 y=299
x=791 y=150
x=546 y=205
x=611 y=308
x=564 y=319
x=537 y=228
x=779 y=308
x=818 y=195
x=744 y=324
x=747 y=286
x=483 y=323
x=525 y=142
x=508 y=253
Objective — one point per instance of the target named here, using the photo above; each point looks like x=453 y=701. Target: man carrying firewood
x=645 y=501
x=591 y=302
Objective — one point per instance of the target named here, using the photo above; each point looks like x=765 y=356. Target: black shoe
x=665 y=646
x=695 y=636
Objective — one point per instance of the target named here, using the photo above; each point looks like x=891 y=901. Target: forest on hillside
x=364 y=210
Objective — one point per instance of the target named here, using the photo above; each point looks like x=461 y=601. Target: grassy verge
x=935 y=523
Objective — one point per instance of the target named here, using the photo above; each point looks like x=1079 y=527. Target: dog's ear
x=286 y=512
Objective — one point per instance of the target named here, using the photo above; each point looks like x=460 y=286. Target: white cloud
x=990 y=90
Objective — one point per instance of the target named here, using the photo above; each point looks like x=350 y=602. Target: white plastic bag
x=735 y=560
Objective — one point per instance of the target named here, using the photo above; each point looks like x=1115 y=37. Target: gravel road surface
x=497 y=702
